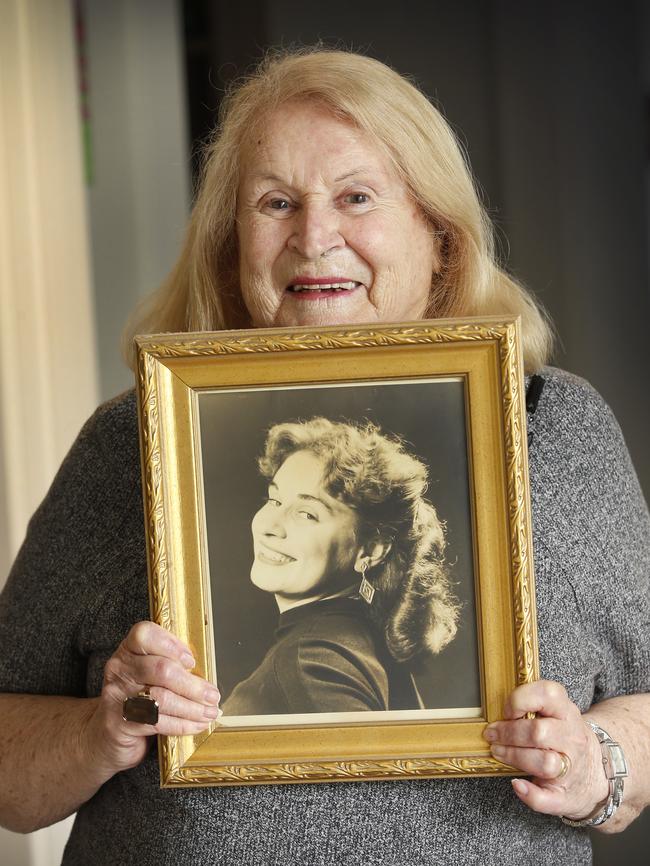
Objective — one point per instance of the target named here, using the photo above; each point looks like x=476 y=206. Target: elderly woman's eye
x=278 y=204
x=357 y=198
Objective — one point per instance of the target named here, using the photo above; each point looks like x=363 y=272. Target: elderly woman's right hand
x=149 y=656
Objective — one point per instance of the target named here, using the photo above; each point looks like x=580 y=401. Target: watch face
x=617 y=760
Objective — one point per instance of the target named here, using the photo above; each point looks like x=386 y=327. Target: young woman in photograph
x=354 y=556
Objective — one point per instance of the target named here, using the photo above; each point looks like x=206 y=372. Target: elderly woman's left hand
x=536 y=746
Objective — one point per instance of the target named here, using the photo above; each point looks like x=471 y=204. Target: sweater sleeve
x=59 y=576
x=620 y=610
x=594 y=525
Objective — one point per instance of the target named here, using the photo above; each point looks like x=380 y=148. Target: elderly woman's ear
x=372 y=554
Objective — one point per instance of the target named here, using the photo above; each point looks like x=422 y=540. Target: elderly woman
x=353 y=554
x=333 y=193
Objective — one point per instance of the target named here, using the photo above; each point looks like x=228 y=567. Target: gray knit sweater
x=79 y=583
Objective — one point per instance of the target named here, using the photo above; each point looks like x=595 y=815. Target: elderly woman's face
x=328 y=233
x=304 y=539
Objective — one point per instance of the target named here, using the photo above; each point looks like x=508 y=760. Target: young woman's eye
x=307 y=515
x=269 y=500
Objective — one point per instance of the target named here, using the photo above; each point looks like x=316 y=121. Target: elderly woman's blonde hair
x=202 y=292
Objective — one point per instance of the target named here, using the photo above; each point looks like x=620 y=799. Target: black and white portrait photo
x=339 y=543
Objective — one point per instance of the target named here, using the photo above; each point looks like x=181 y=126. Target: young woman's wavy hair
x=202 y=291
x=375 y=475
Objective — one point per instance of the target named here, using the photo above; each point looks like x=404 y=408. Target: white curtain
x=47 y=335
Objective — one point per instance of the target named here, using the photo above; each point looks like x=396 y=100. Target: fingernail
x=211 y=712
x=187 y=660
x=498 y=751
x=212 y=696
x=490 y=734
x=520 y=786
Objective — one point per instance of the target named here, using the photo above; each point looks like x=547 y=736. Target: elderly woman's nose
x=317 y=230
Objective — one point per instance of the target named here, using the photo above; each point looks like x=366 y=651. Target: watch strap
x=615 y=767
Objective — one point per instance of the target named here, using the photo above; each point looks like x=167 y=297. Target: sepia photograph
x=340 y=552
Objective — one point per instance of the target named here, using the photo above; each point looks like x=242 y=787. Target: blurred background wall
x=102 y=109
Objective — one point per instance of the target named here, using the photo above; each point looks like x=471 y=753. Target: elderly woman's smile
x=328 y=232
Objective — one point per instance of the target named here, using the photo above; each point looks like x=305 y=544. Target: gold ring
x=142 y=708
x=566 y=766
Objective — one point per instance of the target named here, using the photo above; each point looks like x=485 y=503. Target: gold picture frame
x=180 y=373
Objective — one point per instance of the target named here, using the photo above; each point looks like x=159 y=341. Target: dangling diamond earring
x=366 y=589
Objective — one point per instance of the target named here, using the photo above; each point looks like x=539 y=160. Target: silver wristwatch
x=615 y=767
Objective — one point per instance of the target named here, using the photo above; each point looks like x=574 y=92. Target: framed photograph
x=338 y=525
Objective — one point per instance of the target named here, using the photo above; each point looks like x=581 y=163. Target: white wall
x=139 y=196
